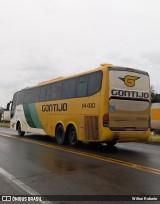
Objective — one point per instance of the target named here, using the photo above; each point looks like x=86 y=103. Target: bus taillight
x=106 y=120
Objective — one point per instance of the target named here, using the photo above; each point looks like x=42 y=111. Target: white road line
x=21 y=185
x=4 y=135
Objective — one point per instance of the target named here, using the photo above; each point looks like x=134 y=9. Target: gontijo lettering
x=127 y=93
x=54 y=107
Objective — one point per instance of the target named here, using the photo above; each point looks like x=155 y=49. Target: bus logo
x=129 y=80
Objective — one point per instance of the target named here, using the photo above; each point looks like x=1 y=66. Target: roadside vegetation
x=155 y=136
x=4 y=124
x=155 y=97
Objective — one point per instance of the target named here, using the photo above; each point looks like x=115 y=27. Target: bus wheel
x=60 y=135
x=20 y=132
x=72 y=136
x=111 y=144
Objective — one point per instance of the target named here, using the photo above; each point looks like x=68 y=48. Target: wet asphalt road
x=88 y=170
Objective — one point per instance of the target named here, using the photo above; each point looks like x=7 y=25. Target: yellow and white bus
x=155 y=117
x=109 y=104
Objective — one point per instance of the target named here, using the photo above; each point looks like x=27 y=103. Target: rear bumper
x=126 y=136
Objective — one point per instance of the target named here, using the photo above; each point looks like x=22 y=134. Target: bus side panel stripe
x=34 y=116
x=31 y=116
x=28 y=116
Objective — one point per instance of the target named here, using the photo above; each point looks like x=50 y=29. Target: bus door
x=129 y=99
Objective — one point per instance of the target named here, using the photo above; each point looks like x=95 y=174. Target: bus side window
x=44 y=93
x=82 y=86
x=27 y=96
x=56 y=91
x=69 y=88
x=35 y=92
x=20 y=97
x=14 y=104
x=94 y=83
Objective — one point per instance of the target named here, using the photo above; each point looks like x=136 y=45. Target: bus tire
x=20 y=132
x=72 y=136
x=111 y=144
x=60 y=135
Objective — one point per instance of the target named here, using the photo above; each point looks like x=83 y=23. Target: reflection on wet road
x=50 y=169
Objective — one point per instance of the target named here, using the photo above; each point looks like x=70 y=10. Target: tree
x=155 y=97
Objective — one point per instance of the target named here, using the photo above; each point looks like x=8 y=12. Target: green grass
x=4 y=124
x=154 y=138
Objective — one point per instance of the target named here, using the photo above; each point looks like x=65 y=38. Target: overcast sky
x=44 y=39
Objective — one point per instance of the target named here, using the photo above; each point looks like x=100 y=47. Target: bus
x=155 y=117
x=108 y=104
